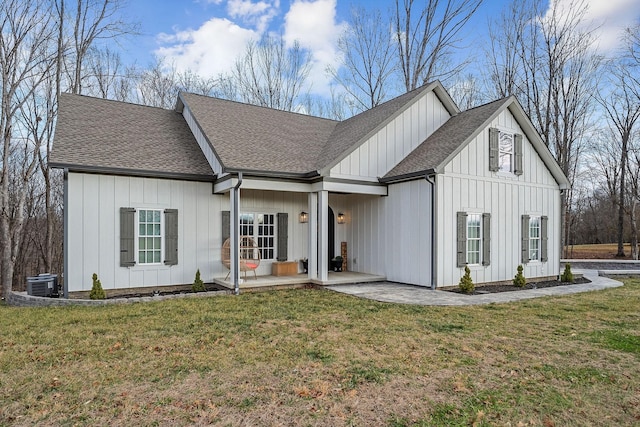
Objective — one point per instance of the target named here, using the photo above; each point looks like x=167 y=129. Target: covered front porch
x=269 y=281
x=291 y=222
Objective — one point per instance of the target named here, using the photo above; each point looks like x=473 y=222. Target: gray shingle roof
x=103 y=135
x=248 y=137
x=446 y=140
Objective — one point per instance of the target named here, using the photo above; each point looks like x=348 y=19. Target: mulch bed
x=208 y=288
x=492 y=289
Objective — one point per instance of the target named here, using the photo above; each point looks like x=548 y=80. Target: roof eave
x=140 y=173
x=304 y=176
x=412 y=176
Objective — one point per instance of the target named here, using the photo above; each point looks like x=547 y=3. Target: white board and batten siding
x=390 y=236
x=94 y=230
x=468 y=185
x=393 y=142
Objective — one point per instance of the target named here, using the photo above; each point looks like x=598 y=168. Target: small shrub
x=567 y=275
x=466 y=283
x=519 y=280
x=96 y=289
x=198 y=284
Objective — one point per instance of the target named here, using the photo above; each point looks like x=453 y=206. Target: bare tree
x=93 y=21
x=25 y=55
x=622 y=109
x=545 y=58
x=368 y=59
x=426 y=37
x=270 y=74
x=504 y=61
x=466 y=92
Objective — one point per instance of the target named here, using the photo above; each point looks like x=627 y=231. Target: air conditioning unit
x=43 y=285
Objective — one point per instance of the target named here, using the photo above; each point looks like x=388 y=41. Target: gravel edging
x=22 y=299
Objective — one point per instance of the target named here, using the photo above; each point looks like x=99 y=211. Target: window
x=534 y=238
x=149 y=236
x=505 y=151
x=505 y=155
x=262 y=228
x=474 y=239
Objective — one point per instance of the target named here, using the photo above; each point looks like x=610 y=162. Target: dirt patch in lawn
x=492 y=289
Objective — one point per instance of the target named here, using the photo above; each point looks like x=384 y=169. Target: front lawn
x=313 y=357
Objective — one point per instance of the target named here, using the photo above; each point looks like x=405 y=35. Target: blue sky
x=206 y=36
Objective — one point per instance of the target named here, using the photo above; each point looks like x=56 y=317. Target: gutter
x=430 y=179
x=235 y=229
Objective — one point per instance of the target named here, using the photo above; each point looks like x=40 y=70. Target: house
x=421 y=189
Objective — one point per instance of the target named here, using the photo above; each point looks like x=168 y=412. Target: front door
x=331 y=237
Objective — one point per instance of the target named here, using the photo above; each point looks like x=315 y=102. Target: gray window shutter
x=494 y=150
x=486 y=239
x=544 y=238
x=171 y=236
x=525 y=239
x=226 y=226
x=461 y=232
x=517 y=150
x=127 y=237
x=283 y=236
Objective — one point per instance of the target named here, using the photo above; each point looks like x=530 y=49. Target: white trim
x=137 y=237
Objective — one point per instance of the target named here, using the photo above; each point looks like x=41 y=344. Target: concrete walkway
x=408 y=294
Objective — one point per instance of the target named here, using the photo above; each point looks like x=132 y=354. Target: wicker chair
x=249 y=256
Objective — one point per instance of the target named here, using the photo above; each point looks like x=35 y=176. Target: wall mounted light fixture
x=304 y=217
x=340 y=218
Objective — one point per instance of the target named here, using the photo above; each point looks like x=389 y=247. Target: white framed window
x=506 y=151
x=262 y=228
x=474 y=239
x=150 y=236
x=534 y=238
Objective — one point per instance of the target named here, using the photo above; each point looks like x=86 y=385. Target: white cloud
x=258 y=14
x=609 y=18
x=213 y=48
x=313 y=24
x=210 y=50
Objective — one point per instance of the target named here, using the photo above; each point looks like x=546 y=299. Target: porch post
x=312 y=266
x=234 y=235
x=323 y=235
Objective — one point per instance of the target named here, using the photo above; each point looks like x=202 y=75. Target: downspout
x=235 y=229
x=431 y=181
x=65 y=238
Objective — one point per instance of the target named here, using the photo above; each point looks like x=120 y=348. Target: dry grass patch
x=313 y=357
x=599 y=251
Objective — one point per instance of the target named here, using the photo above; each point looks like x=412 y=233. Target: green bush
x=198 y=284
x=96 y=289
x=466 y=284
x=519 y=280
x=567 y=275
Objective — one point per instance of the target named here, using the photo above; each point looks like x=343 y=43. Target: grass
x=313 y=357
x=597 y=251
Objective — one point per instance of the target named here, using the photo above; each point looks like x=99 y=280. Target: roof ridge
x=133 y=104
x=259 y=106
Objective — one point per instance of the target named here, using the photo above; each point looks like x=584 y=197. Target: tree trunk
x=623 y=170
x=634 y=230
